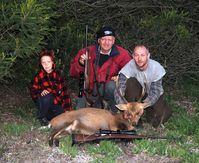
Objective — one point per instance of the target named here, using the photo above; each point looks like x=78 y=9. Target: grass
x=105 y=151
x=65 y=145
x=183 y=124
x=19 y=121
x=14 y=129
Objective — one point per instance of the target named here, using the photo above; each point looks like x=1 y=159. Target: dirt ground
x=33 y=146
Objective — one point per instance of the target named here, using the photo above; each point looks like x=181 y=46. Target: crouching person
x=48 y=89
x=143 y=73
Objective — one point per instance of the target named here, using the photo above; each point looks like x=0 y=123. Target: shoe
x=44 y=121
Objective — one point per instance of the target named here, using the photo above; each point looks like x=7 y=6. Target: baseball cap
x=105 y=31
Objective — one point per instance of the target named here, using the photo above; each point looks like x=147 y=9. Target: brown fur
x=89 y=120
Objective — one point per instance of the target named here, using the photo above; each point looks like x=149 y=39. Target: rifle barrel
x=86 y=71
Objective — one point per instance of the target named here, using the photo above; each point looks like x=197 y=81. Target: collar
x=113 y=52
x=104 y=53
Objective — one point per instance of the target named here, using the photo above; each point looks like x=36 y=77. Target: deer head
x=132 y=110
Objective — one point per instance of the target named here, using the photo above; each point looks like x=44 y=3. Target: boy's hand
x=44 y=92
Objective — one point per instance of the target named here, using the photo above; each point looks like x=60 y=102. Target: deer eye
x=137 y=113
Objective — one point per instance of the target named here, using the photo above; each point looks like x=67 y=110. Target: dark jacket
x=117 y=59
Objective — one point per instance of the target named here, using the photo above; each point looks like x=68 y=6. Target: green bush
x=25 y=26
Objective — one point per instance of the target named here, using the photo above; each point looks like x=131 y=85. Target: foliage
x=169 y=41
x=6 y=62
x=24 y=28
x=66 y=41
x=166 y=31
x=169 y=28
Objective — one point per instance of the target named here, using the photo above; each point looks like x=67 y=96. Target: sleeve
x=120 y=89
x=63 y=94
x=35 y=89
x=75 y=67
x=58 y=85
x=155 y=92
x=125 y=59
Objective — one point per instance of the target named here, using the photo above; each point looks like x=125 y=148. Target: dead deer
x=88 y=121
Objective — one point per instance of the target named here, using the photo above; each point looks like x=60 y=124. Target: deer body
x=90 y=120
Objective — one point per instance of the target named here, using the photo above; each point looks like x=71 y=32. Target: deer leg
x=60 y=133
x=51 y=139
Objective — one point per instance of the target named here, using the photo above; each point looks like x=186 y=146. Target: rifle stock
x=111 y=135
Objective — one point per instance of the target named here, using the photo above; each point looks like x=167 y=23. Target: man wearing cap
x=105 y=61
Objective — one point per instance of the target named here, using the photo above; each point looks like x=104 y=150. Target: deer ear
x=122 y=106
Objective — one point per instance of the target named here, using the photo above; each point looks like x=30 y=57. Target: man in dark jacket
x=105 y=60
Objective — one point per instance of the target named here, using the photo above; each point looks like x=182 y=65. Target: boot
x=43 y=121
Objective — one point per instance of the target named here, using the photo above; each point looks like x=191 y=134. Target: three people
x=105 y=61
x=49 y=90
x=143 y=73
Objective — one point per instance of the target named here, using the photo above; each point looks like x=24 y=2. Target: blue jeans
x=46 y=107
x=108 y=95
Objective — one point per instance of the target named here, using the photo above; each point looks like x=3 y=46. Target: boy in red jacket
x=49 y=90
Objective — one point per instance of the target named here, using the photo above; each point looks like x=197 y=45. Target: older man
x=105 y=61
x=143 y=73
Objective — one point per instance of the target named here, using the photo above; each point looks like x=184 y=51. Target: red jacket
x=53 y=83
x=118 y=58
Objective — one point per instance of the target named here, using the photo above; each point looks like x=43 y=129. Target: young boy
x=49 y=90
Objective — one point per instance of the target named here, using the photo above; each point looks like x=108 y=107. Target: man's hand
x=44 y=92
x=115 y=78
x=82 y=59
x=142 y=106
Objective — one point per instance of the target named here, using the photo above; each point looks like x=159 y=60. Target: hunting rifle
x=84 y=76
x=87 y=65
x=126 y=135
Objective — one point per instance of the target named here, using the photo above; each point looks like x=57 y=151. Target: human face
x=106 y=43
x=47 y=63
x=141 y=57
